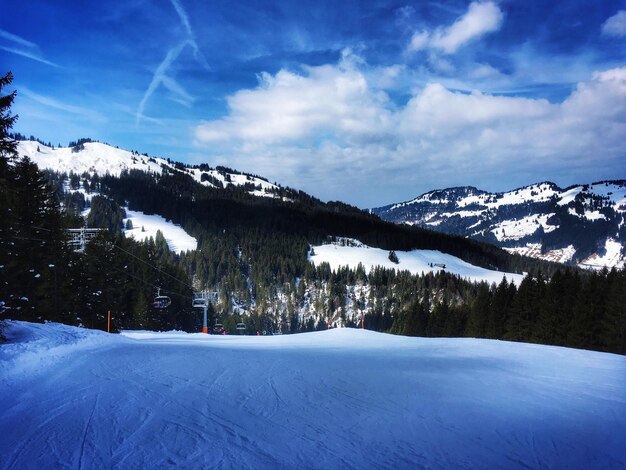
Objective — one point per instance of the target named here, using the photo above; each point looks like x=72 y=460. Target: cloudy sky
x=369 y=102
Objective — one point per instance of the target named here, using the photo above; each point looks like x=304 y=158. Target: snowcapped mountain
x=581 y=225
x=101 y=159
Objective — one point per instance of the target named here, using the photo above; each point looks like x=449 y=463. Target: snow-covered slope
x=347 y=252
x=333 y=399
x=99 y=158
x=145 y=226
x=581 y=225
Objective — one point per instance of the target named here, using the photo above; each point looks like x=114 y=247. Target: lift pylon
x=201 y=300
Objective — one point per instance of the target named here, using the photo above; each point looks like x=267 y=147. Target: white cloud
x=330 y=130
x=419 y=41
x=484 y=71
x=481 y=18
x=334 y=101
x=615 y=25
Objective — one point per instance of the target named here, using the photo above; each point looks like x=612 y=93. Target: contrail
x=160 y=77
x=18 y=39
x=184 y=18
x=157 y=78
x=31 y=51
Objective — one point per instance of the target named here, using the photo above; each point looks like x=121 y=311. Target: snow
x=463 y=214
x=569 y=196
x=415 y=261
x=516 y=229
x=177 y=239
x=615 y=192
x=101 y=159
x=535 y=192
x=341 y=398
x=95 y=158
x=613 y=257
x=561 y=255
x=594 y=215
x=235 y=180
x=589 y=215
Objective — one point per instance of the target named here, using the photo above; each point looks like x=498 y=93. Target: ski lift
x=161 y=301
x=199 y=301
x=241 y=326
x=218 y=329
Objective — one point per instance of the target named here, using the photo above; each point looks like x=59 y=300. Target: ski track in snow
x=334 y=399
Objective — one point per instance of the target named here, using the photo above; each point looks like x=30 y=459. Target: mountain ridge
x=582 y=224
x=223 y=198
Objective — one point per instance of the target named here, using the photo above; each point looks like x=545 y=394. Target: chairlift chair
x=161 y=301
x=199 y=301
x=241 y=326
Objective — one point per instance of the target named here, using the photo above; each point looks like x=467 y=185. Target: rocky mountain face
x=580 y=225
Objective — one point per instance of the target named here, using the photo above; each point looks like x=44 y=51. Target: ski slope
x=344 y=398
x=147 y=225
x=350 y=252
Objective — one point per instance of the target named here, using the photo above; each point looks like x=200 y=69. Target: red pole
x=109 y=321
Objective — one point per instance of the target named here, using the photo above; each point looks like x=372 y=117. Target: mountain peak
x=582 y=224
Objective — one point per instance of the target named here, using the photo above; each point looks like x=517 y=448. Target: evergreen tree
x=8 y=146
x=613 y=325
x=499 y=309
x=477 y=321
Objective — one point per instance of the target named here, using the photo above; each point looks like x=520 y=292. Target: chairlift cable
x=152 y=266
x=30 y=226
x=185 y=296
x=26 y=238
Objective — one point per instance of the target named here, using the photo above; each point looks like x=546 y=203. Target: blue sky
x=366 y=102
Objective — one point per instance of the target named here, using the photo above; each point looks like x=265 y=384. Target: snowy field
x=415 y=261
x=146 y=226
x=344 y=398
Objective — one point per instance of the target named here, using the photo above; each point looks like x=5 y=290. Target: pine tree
x=8 y=152
x=613 y=325
x=499 y=309
x=477 y=321
x=519 y=324
x=8 y=146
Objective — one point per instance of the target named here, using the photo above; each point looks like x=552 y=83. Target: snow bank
x=32 y=347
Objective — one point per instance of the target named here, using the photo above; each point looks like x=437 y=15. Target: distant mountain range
x=580 y=225
x=230 y=198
